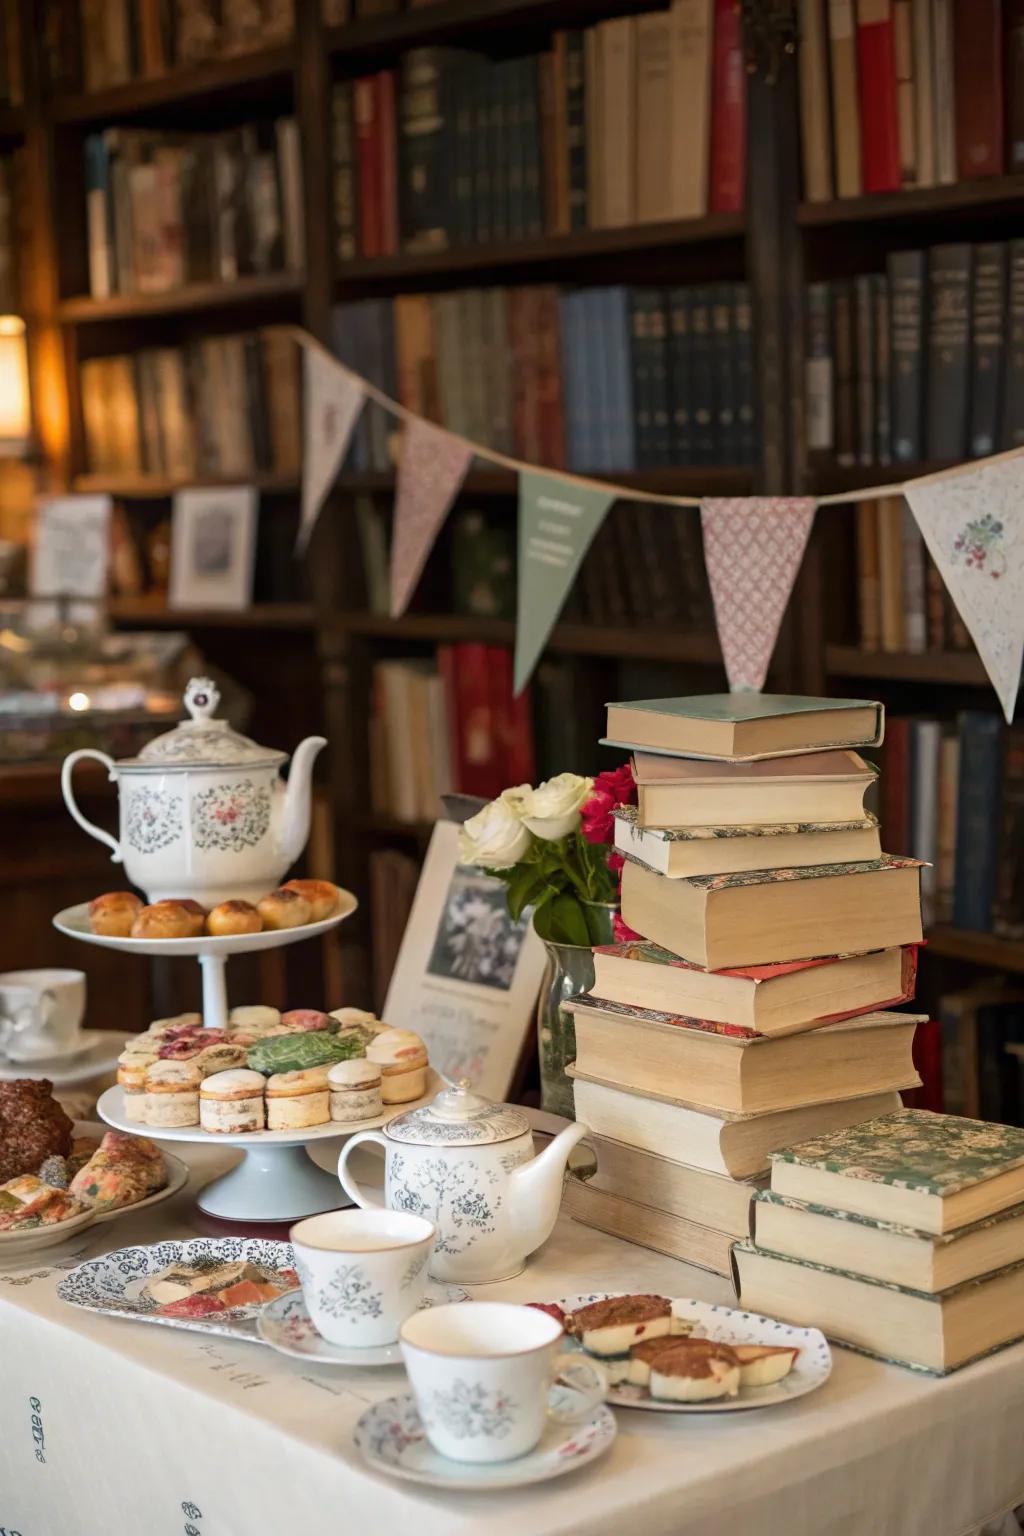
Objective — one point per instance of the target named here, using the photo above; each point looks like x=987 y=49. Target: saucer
x=285 y=1325
x=392 y=1439
x=97 y=1056
x=48 y=1057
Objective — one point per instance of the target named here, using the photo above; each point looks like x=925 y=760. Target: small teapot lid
x=203 y=741
x=458 y=1117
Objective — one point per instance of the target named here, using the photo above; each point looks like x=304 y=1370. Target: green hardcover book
x=744 y=726
x=933 y=1172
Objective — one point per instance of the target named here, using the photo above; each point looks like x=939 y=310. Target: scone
x=296 y=1100
x=402 y=1058
x=172 y=1094
x=169 y=920
x=613 y=1326
x=232 y=1101
x=284 y=909
x=113 y=913
x=355 y=1090
x=695 y=1371
x=321 y=895
x=234 y=917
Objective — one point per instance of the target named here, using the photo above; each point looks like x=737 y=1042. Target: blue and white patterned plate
x=729 y=1325
x=112 y=1284
x=393 y=1440
x=286 y=1326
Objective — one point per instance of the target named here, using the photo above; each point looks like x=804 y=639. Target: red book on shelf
x=549 y=380
x=468 y=685
x=513 y=722
x=978 y=87
x=895 y=809
x=879 y=115
x=368 y=200
x=387 y=159
x=928 y=1061
x=728 y=167
x=524 y=345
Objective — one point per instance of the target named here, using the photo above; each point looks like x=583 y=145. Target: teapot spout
x=535 y=1188
x=297 y=798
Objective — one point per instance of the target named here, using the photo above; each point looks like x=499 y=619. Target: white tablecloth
x=145 y=1426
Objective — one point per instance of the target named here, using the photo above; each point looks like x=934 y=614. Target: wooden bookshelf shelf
x=976 y=948
x=150 y=612
x=259 y=288
x=150 y=488
x=489 y=480
x=570 y=639
x=825 y=479
x=240 y=75
x=956 y=667
x=991 y=193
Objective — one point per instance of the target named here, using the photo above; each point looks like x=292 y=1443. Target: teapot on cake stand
x=469 y=1166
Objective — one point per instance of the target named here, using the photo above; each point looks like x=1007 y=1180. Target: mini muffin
x=300 y=1021
x=355 y=1090
x=220 y=1056
x=232 y=1101
x=170 y=920
x=284 y=909
x=234 y=917
x=296 y=1100
x=114 y=913
x=402 y=1058
x=172 y=1094
x=321 y=895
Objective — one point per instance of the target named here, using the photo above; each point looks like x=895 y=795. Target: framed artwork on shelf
x=70 y=557
x=213 y=548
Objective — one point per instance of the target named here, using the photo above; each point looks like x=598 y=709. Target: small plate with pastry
x=674 y=1355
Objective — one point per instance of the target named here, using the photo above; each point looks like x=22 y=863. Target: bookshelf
x=779 y=243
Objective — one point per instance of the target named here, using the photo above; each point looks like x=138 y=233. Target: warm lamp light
x=15 y=415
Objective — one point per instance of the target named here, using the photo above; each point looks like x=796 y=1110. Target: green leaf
x=567 y=914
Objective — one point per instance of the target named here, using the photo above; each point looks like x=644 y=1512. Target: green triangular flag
x=557 y=521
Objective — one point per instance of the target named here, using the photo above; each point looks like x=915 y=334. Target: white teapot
x=204 y=810
x=469 y=1166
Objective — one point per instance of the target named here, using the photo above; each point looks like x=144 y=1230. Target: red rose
x=623 y=933
x=613 y=787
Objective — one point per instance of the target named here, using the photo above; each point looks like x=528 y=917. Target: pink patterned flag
x=332 y=401
x=753 y=546
x=431 y=468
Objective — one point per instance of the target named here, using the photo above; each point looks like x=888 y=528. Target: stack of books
x=902 y=1238
x=775 y=938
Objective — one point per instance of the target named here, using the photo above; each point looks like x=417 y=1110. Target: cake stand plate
x=212 y=953
x=276 y=1179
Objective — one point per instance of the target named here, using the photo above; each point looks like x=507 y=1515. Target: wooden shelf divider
x=257 y=288
x=955 y=667
x=963 y=197
x=228 y=75
x=150 y=611
x=976 y=948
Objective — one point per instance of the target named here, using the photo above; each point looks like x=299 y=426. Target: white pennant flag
x=972 y=521
x=332 y=401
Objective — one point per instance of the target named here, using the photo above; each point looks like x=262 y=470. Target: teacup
x=483 y=1375
x=362 y=1272
x=40 y=1012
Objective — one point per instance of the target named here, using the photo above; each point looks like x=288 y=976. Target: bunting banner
x=557 y=523
x=332 y=401
x=431 y=468
x=753 y=546
x=972 y=523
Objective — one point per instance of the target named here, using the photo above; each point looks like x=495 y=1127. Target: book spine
x=915 y=623
x=425 y=152
x=459 y=78
x=906 y=89
x=387 y=158
x=846 y=134
x=945 y=839
x=924 y=106
x=949 y=322
x=371 y=237
x=702 y=376
x=653 y=116
x=935 y=606
x=976 y=828
x=343 y=172
x=879 y=115
x=864 y=317
x=483 y=189
x=978 y=87
x=514 y=151
x=1013 y=82
x=819 y=369
x=98 y=218
x=988 y=325
x=815 y=130
x=728 y=167
x=845 y=388
x=868 y=592
x=726 y=434
x=744 y=373
x=906 y=270
x=533 y=156
x=1011 y=432
x=576 y=129
x=643 y=399
x=883 y=370
x=894 y=797
x=1008 y=903
x=944 y=91
x=661 y=410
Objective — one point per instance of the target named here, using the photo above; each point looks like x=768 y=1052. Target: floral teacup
x=483 y=1373
x=362 y=1272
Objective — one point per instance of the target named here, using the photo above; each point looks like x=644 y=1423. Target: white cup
x=482 y=1374
x=40 y=1012
x=362 y=1272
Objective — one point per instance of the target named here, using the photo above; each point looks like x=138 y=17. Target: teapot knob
x=201 y=698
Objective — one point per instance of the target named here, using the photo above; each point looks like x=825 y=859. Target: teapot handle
x=348 y=1183
x=72 y=805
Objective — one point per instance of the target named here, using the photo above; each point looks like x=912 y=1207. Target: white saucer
x=285 y=1325
x=70 y=1053
x=96 y=1055
x=392 y=1440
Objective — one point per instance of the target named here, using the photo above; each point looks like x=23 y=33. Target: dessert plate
x=74 y=921
x=392 y=1439
x=729 y=1325
x=98 y=1055
x=285 y=1325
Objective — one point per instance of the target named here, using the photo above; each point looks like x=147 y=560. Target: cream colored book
x=744 y=726
x=812 y=787
x=682 y=852
x=815 y=130
x=691 y=29
x=693 y=1194
x=617 y=119
x=653 y=116
x=629 y=1048
x=736 y=1145
x=768 y=916
x=637 y=1223
x=845 y=98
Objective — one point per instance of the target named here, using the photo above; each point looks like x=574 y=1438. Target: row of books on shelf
x=633 y=120
x=163 y=209
x=909 y=93
x=902 y=602
x=923 y=361
x=218 y=407
x=606 y=379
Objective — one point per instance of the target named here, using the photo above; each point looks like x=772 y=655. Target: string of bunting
x=970 y=516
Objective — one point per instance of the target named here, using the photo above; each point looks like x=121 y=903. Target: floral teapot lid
x=202 y=741
x=458 y=1117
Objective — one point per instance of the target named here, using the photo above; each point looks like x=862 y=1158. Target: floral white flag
x=972 y=521
x=753 y=546
x=332 y=400
x=431 y=469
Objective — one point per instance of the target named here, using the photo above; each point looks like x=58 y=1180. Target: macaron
x=355 y=1090
x=402 y=1058
x=297 y=1100
x=232 y=1101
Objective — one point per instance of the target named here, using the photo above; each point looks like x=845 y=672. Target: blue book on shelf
x=976 y=820
x=622 y=424
x=345 y=344
x=570 y=381
x=597 y=380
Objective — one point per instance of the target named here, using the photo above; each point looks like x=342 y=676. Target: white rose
x=519 y=800
x=494 y=838
x=555 y=806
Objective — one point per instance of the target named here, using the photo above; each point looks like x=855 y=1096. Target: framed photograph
x=467 y=976
x=213 y=548
x=70 y=556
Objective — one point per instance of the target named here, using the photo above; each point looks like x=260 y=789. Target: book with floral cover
x=682 y=852
x=737 y=726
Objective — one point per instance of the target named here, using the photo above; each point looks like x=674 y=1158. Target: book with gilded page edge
x=738 y=726
x=930 y=1171
x=765 y=916
x=649 y=1227
x=758 y=999
x=682 y=852
x=692 y=792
